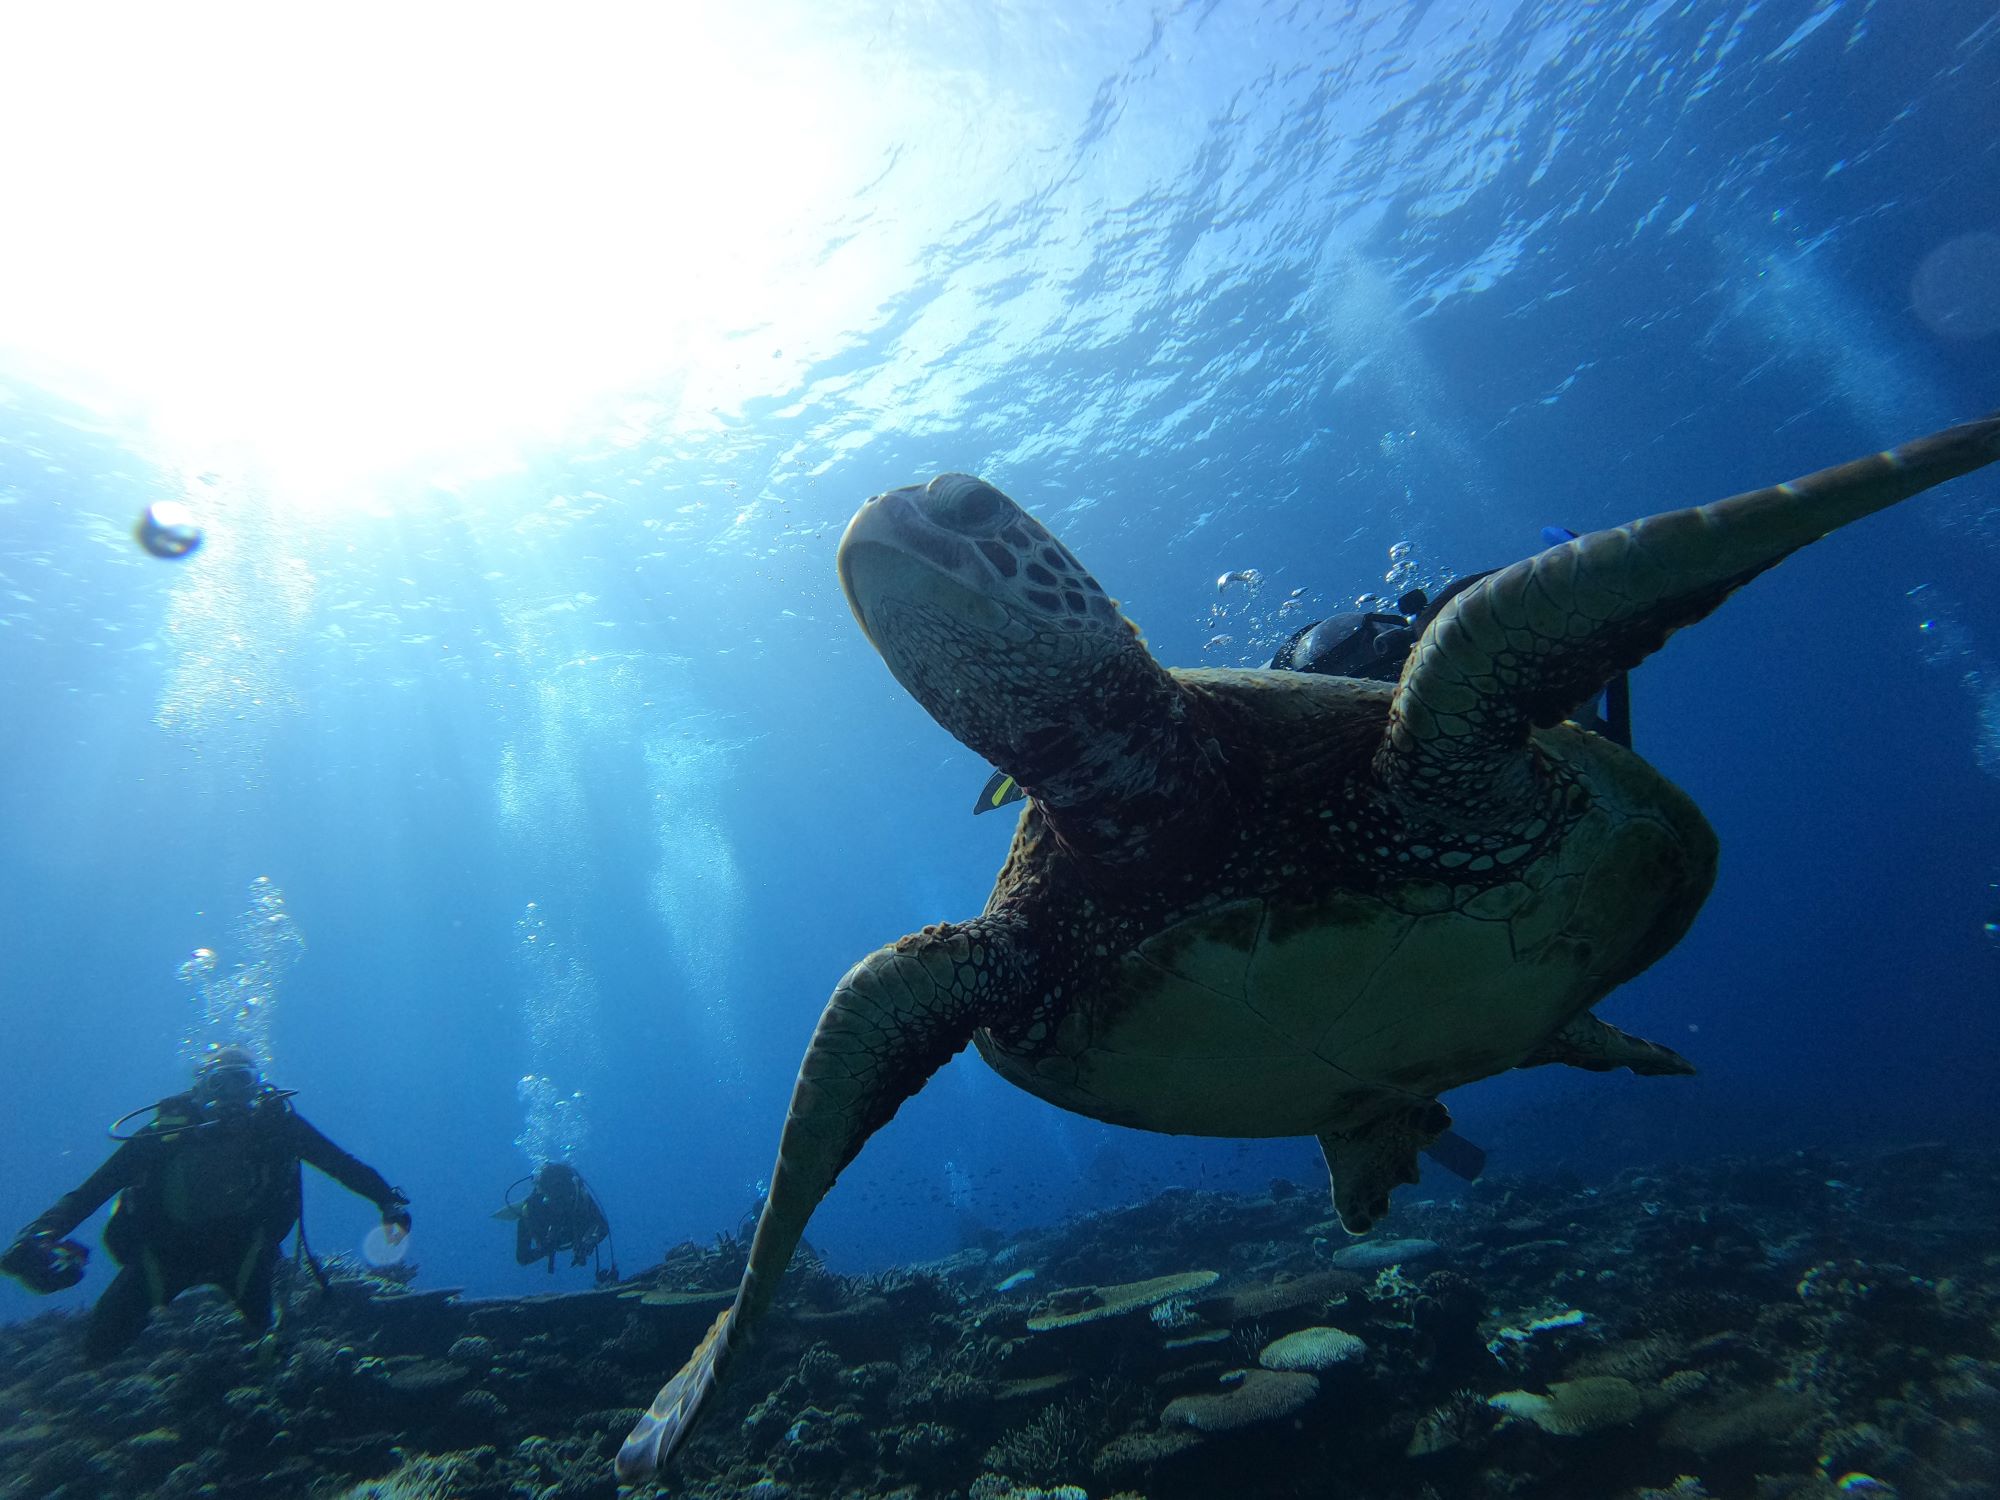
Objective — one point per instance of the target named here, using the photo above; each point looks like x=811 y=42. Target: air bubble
x=237 y=1007
x=1956 y=291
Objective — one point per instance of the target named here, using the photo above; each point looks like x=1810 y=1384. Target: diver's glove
x=396 y=1212
x=42 y=1263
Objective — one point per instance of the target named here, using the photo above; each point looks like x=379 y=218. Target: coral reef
x=1574 y=1407
x=1253 y=1396
x=1791 y=1329
x=1313 y=1348
x=1090 y=1303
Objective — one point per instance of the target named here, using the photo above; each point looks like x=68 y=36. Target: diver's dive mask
x=227 y=1086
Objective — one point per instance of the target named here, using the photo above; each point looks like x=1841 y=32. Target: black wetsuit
x=202 y=1202
x=1375 y=646
x=559 y=1213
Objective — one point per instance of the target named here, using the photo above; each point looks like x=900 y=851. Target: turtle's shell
x=1328 y=966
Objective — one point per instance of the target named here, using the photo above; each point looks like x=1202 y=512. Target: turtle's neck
x=1136 y=773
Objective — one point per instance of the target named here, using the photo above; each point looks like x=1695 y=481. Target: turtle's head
x=990 y=623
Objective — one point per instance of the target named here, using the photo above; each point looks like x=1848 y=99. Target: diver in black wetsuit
x=1374 y=645
x=559 y=1213
x=207 y=1190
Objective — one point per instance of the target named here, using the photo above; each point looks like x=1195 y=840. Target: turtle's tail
x=1526 y=646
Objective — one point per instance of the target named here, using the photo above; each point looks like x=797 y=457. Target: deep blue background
x=1299 y=288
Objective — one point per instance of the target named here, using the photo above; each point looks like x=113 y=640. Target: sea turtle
x=1258 y=903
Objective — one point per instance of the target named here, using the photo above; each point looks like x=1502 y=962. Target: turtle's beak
x=892 y=554
x=854 y=540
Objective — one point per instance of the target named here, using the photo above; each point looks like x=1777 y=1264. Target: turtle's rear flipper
x=1587 y=1042
x=896 y=1018
x=1524 y=647
x=1369 y=1163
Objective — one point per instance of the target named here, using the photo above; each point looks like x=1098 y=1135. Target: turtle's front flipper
x=1525 y=646
x=893 y=1021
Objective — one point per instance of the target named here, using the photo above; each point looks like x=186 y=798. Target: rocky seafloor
x=1794 y=1327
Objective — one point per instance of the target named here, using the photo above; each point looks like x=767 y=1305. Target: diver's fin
x=893 y=1021
x=1368 y=1164
x=1587 y=1042
x=1457 y=1155
x=510 y=1212
x=1618 y=710
x=1000 y=789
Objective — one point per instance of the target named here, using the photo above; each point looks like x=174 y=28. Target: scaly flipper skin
x=898 y=1016
x=1599 y=1047
x=1523 y=647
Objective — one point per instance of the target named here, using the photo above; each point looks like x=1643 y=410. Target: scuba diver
x=1375 y=645
x=559 y=1213
x=207 y=1189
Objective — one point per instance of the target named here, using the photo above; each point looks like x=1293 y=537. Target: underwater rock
x=1373 y=1255
x=921 y=1444
x=1034 y=1385
x=1640 y=1360
x=422 y=1477
x=998 y=1487
x=1450 y=1424
x=823 y=1445
x=662 y=1297
x=1280 y=1294
x=416 y=1376
x=1260 y=1396
x=1135 y=1453
x=1773 y=1417
x=1311 y=1349
x=1574 y=1407
x=481 y=1406
x=1197 y=1339
x=1087 y=1304
x=473 y=1349
x=25 y=1438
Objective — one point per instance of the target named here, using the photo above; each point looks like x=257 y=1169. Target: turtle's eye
x=965 y=504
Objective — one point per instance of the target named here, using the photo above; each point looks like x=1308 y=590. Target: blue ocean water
x=538 y=805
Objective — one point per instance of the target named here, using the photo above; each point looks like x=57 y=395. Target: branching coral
x=1053 y=1447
